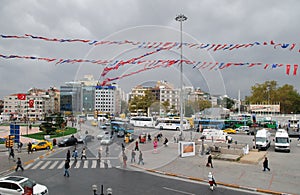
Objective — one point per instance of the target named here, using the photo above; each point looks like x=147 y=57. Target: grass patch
x=59 y=133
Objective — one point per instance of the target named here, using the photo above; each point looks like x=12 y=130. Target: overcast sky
x=209 y=21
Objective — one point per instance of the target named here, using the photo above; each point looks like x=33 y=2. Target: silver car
x=106 y=140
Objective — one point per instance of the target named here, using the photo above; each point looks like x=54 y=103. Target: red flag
x=21 y=96
x=31 y=103
x=295 y=69
x=288 y=68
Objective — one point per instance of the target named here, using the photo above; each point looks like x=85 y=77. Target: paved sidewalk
x=245 y=174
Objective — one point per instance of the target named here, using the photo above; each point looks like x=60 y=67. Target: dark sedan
x=71 y=141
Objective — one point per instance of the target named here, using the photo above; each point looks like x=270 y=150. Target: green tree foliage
x=270 y=93
x=141 y=102
x=199 y=105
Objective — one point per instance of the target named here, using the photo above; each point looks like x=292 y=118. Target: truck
x=262 y=139
x=282 y=140
x=215 y=135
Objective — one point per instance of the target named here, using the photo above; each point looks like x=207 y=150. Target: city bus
x=268 y=123
x=234 y=123
x=201 y=124
x=142 y=121
x=171 y=124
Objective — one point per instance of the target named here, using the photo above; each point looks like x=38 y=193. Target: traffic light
x=9 y=143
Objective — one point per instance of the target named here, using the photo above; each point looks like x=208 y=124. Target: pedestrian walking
x=100 y=154
x=75 y=154
x=132 y=156
x=211 y=181
x=141 y=160
x=124 y=160
x=29 y=147
x=20 y=145
x=67 y=166
x=155 y=144
x=266 y=164
x=209 y=161
x=136 y=146
x=83 y=154
x=19 y=165
x=11 y=153
x=123 y=147
x=68 y=155
x=107 y=150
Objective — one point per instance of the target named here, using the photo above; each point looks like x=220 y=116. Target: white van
x=263 y=139
x=282 y=141
x=215 y=135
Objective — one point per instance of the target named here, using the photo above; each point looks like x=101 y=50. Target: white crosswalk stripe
x=59 y=164
x=45 y=165
x=54 y=164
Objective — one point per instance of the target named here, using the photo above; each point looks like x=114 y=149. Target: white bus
x=171 y=124
x=142 y=121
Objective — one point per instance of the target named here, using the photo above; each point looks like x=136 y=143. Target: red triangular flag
x=288 y=68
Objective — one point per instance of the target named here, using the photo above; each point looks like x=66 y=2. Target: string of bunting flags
x=148 y=64
x=156 y=47
x=165 y=45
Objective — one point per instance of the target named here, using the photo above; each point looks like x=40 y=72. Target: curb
x=218 y=183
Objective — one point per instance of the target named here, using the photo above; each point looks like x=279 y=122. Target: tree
x=141 y=103
x=269 y=93
x=166 y=106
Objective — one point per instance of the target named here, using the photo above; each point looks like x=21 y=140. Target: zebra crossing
x=59 y=164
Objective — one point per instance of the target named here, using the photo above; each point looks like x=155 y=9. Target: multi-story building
x=36 y=104
x=108 y=99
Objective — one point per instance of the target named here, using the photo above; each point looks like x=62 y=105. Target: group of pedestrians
x=133 y=154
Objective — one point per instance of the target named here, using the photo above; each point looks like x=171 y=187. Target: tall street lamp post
x=180 y=18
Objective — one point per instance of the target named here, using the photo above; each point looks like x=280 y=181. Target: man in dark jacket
x=67 y=166
x=19 y=165
x=266 y=164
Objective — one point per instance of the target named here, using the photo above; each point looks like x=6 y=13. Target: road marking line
x=28 y=166
x=37 y=165
x=108 y=164
x=46 y=164
x=101 y=164
x=94 y=164
x=182 y=192
x=86 y=164
x=53 y=165
x=61 y=165
x=77 y=164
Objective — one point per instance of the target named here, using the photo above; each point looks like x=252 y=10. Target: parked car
x=243 y=128
x=15 y=185
x=68 y=142
x=102 y=134
x=41 y=145
x=86 y=138
x=229 y=131
x=106 y=140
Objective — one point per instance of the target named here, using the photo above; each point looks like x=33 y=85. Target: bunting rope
x=164 y=45
x=115 y=64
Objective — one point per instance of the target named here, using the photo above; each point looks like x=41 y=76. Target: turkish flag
x=31 y=103
x=21 y=96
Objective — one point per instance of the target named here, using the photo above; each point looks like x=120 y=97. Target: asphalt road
x=121 y=181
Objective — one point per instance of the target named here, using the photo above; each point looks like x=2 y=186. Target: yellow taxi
x=229 y=131
x=42 y=144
